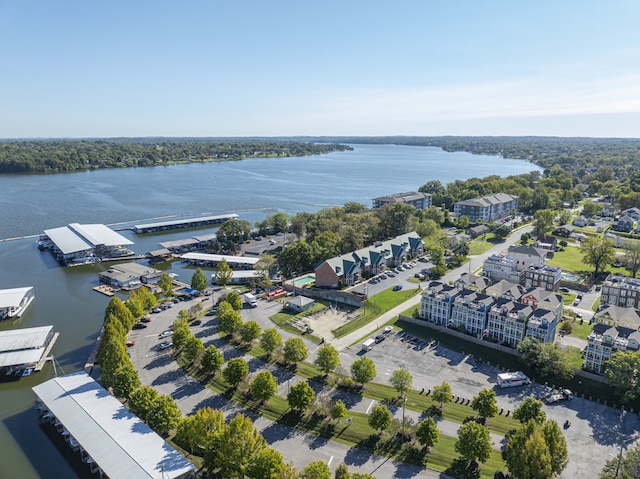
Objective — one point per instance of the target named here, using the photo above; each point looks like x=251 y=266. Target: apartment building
x=469 y=310
x=486 y=208
x=507 y=321
x=501 y=268
x=436 y=302
x=621 y=291
x=542 y=276
x=420 y=200
x=605 y=340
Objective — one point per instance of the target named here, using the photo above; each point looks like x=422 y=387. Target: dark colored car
x=139 y=326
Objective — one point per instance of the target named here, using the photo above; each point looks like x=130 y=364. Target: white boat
x=15 y=301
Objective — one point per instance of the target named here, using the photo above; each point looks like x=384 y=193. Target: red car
x=146 y=319
x=130 y=343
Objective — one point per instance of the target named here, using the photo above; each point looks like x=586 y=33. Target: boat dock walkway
x=45 y=356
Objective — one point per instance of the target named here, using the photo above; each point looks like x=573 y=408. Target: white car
x=165 y=345
x=164 y=334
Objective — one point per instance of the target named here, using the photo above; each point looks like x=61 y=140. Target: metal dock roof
x=23 y=346
x=11 y=298
x=118 y=441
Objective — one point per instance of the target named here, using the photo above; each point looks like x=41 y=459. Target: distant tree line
x=58 y=156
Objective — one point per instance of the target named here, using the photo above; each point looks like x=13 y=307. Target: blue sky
x=269 y=68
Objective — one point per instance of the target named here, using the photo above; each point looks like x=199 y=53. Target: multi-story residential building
x=541 y=298
x=505 y=289
x=347 y=269
x=487 y=208
x=605 y=340
x=472 y=281
x=613 y=315
x=507 y=321
x=621 y=291
x=499 y=268
x=470 y=310
x=436 y=302
x=526 y=256
x=418 y=199
x=542 y=276
x=542 y=325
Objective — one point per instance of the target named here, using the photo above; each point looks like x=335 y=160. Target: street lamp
x=404 y=402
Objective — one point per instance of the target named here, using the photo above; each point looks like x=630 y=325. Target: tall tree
x=236 y=371
x=427 y=432
x=485 y=403
x=380 y=418
x=295 y=350
x=212 y=360
x=125 y=380
x=250 y=331
x=474 y=442
x=270 y=340
x=141 y=401
x=194 y=432
x=327 y=358
x=263 y=386
x=626 y=466
x=342 y=472
x=363 y=370
x=267 y=463
x=530 y=410
x=597 y=252
x=166 y=285
x=546 y=359
x=543 y=221
x=193 y=349
x=231 y=451
x=224 y=273
x=316 y=470
x=557 y=445
x=229 y=320
x=401 y=380
x=442 y=393
x=164 y=415
x=199 y=280
x=632 y=251
x=300 y=396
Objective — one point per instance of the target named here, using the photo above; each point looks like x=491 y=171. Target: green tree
x=544 y=444
x=212 y=360
x=231 y=451
x=229 y=321
x=543 y=221
x=181 y=333
x=485 y=403
x=363 y=370
x=234 y=299
x=463 y=222
x=164 y=414
x=270 y=340
x=236 y=371
x=442 y=394
x=295 y=350
x=546 y=359
x=199 y=280
x=300 y=396
x=474 y=442
x=436 y=255
x=194 y=432
x=327 y=358
x=166 y=285
x=401 y=380
x=627 y=467
x=427 y=432
x=263 y=386
x=125 y=380
x=342 y=472
x=597 y=252
x=339 y=410
x=120 y=311
x=621 y=370
x=632 y=252
x=557 y=446
x=267 y=463
x=141 y=401
x=250 y=331
x=501 y=232
x=380 y=418
x=193 y=349
x=224 y=273
x=316 y=470
x=135 y=304
x=530 y=410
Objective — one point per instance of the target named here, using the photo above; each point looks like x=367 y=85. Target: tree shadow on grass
x=464 y=469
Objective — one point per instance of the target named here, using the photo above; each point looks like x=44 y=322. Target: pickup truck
x=557 y=396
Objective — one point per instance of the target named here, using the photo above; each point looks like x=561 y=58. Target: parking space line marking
x=370 y=405
x=329 y=461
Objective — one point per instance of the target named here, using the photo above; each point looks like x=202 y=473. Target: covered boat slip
x=14 y=301
x=26 y=348
x=78 y=243
x=182 y=223
x=105 y=433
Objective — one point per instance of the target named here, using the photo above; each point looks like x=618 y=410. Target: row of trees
x=55 y=156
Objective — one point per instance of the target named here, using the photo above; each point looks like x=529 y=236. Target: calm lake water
x=251 y=188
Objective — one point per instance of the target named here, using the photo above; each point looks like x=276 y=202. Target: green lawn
x=375 y=306
x=570 y=259
x=483 y=244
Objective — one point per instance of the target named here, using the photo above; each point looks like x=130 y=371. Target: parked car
x=576 y=302
x=131 y=343
x=165 y=345
x=139 y=326
x=563 y=289
x=164 y=334
x=397 y=287
x=146 y=319
x=379 y=338
x=383 y=276
x=390 y=274
x=197 y=322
